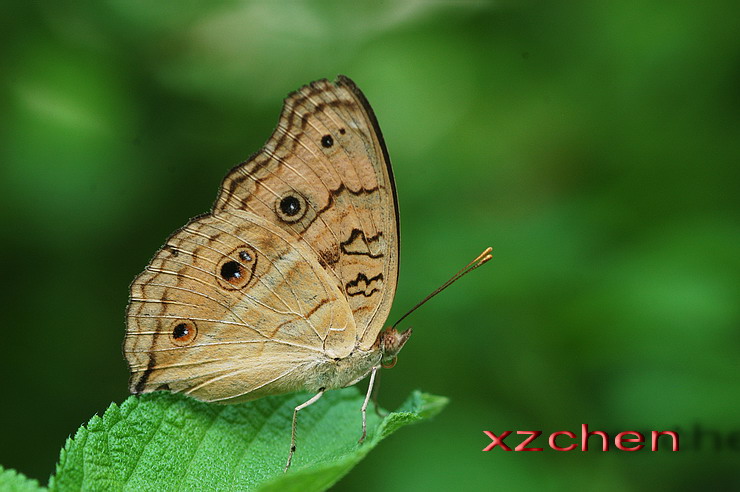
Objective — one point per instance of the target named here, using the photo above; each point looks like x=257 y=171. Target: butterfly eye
x=184 y=332
x=236 y=269
x=327 y=141
x=291 y=207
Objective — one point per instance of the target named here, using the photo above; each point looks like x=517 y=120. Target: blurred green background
x=595 y=145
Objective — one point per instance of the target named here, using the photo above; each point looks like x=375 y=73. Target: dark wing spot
x=231 y=271
x=236 y=269
x=173 y=250
x=357 y=236
x=290 y=205
x=180 y=331
x=327 y=141
x=328 y=257
x=184 y=332
x=363 y=285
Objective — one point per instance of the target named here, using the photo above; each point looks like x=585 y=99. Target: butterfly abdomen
x=342 y=372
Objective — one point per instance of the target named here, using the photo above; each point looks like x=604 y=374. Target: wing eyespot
x=236 y=269
x=232 y=271
x=184 y=332
x=327 y=141
x=291 y=207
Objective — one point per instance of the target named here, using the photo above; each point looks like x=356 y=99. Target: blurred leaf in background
x=594 y=145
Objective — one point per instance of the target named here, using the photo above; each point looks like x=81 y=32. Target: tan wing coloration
x=325 y=176
x=234 y=308
x=286 y=283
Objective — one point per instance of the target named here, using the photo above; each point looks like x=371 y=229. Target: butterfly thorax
x=346 y=371
x=342 y=372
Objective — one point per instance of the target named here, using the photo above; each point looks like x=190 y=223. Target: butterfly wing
x=325 y=176
x=234 y=308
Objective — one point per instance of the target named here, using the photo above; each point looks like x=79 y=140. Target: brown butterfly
x=286 y=284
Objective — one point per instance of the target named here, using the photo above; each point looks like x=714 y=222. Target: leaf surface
x=165 y=441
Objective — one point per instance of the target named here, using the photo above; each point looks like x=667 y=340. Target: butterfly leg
x=378 y=411
x=364 y=404
x=295 y=419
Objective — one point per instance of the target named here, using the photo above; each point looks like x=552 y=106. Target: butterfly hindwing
x=233 y=307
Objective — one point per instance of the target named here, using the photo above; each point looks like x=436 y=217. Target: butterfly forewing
x=325 y=177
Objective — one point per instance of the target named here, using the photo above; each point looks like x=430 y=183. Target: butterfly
x=286 y=283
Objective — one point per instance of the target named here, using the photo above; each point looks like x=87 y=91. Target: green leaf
x=12 y=481
x=164 y=441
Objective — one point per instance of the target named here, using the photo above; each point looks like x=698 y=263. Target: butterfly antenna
x=478 y=261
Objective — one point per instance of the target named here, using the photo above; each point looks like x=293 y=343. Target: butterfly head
x=391 y=342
